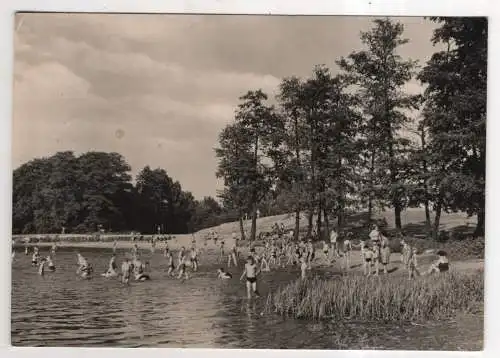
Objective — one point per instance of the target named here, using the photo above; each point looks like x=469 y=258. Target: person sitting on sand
x=126 y=270
x=251 y=272
x=442 y=264
x=223 y=275
x=412 y=264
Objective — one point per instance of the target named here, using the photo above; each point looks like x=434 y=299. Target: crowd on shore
x=279 y=251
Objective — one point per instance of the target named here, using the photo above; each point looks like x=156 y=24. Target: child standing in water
x=126 y=271
x=232 y=257
x=250 y=272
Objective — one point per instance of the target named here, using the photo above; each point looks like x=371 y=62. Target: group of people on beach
x=279 y=251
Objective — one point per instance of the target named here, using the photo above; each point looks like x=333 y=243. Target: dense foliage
x=338 y=143
x=94 y=191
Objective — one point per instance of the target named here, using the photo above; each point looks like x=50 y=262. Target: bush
x=381 y=298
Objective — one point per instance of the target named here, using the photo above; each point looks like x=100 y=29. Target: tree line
x=94 y=191
x=335 y=143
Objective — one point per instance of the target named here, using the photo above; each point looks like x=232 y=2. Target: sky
x=159 y=88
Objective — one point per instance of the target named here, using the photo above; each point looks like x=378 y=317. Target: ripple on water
x=60 y=310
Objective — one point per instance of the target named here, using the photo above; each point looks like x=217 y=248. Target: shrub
x=380 y=298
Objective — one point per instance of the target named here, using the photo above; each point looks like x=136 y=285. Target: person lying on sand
x=223 y=275
x=251 y=272
x=442 y=264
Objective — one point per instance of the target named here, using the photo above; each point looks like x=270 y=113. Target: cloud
x=169 y=83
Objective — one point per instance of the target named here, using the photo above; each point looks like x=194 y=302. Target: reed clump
x=385 y=298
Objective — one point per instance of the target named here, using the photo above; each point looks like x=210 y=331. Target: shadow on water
x=61 y=310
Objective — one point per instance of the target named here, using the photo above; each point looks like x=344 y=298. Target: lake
x=61 y=310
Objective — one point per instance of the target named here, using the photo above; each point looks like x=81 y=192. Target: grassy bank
x=381 y=298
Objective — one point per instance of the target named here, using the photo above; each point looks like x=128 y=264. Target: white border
x=309 y=7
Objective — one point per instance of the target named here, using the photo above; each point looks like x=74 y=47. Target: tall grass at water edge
x=385 y=298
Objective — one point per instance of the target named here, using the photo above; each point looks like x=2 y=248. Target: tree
x=243 y=148
x=378 y=74
x=455 y=114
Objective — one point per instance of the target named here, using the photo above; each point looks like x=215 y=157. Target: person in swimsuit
x=126 y=271
x=232 y=257
x=412 y=264
x=367 y=256
x=135 y=249
x=41 y=267
x=182 y=269
x=385 y=254
x=82 y=263
x=442 y=264
x=250 y=272
x=223 y=275
x=166 y=251
x=34 y=258
x=170 y=263
x=303 y=268
x=50 y=264
x=112 y=268
x=333 y=242
x=194 y=259
x=347 y=248
x=115 y=244
x=139 y=271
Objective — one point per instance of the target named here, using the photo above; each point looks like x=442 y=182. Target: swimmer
x=126 y=271
x=82 y=263
x=41 y=268
x=112 y=268
x=34 y=258
x=223 y=275
x=251 y=272
x=194 y=259
x=50 y=264
x=139 y=271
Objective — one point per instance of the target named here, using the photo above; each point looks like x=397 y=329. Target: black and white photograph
x=248 y=181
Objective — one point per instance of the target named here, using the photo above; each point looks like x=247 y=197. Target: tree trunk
x=437 y=218
x=397 y=215
x=318 y=221
x=427 y=218
x=242 y=227
x=309 y=223
x=297 y=225
x=480 y=223
x=327 y=223
x=370 y=194
x=253 y=230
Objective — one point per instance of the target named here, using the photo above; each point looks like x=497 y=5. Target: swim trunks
x=252 y=279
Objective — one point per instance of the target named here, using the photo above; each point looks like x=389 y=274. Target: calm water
x=61 y=310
